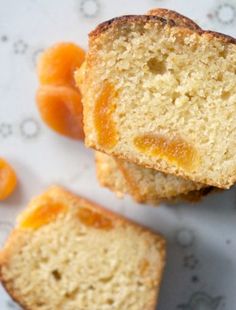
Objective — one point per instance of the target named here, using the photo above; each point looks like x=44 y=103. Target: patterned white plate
x=201 y=269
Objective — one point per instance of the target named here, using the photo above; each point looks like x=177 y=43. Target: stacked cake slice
x=159 y=96
x=69 y=253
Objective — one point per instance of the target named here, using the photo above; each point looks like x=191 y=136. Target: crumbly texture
x=152 y=186
x=85 y=258
x=109 y=175
x=146 y=185
x=174 y=104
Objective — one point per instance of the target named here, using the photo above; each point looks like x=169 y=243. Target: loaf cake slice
x=143 y=184
x=162 y=95
x=68 y=253
x=109 y=174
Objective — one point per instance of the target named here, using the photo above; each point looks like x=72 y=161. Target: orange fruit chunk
x=144 y=266
x=173 y=149
x=57 y=64
x=94 y=219
x=61 y=109
x=8 y=179
x=104 y=107
x=42 y=215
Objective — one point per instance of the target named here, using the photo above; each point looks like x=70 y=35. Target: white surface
x=201 y=269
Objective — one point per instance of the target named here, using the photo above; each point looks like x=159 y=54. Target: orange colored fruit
x=94 y=219
x=8 y=179
x=57 y=64
x=42 y=215
x=173 y=149
x=61 y=109
x=104 y=123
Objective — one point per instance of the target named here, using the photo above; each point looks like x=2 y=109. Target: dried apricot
x=144 y=266
x=61 y=109
x=104 y=108
x=42 y=215
x=8 y=179
x=173 y=149
x=57 y=64
x=94 y=219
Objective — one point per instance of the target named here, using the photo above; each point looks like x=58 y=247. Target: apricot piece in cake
x=104 y=108
x=172 y=149
x=94 y=219
x=47 y=212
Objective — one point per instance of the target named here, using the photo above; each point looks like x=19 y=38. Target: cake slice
x=68 y=253
x=162 y=95
x=109 y=174
x=143 y=184
x=147 y=185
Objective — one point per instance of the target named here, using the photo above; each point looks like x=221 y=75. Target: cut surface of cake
x=69 y=253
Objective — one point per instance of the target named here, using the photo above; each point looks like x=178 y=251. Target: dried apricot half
x=173 y=149
x=57 y=64
x=44 y=214
x=8 y=179
x=61 y=109
x=94 y=219
x=103 y=112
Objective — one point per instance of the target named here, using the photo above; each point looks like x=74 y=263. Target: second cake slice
x=143 y=184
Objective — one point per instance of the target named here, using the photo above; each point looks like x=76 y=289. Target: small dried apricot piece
x=57 y=64
x=8 y=179
x=61 y=109
x=144 y=266
x=173 y=149
x=94 y=219
x=42 y=215
x=104 y=108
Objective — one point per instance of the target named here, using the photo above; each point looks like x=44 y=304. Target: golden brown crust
x=143 y=19
x=13 y=294
x=123 y=20
x=179 y=19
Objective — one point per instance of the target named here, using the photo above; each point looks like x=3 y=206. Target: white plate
x=201 y=269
